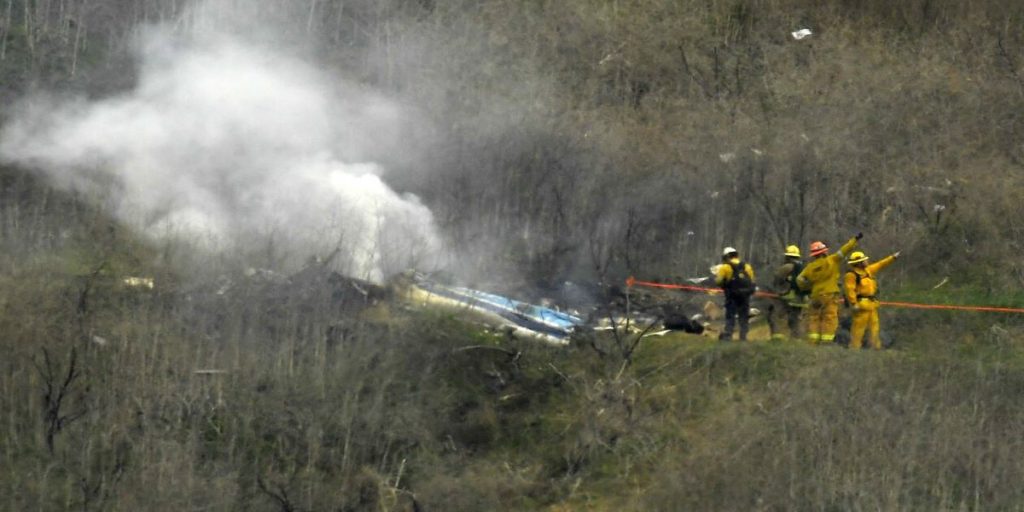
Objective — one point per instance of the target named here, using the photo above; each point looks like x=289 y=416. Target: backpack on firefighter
x=740 y=283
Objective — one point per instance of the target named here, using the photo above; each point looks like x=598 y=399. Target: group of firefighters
x=808 y=294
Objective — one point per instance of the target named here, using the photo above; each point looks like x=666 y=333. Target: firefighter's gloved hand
x=859 y=235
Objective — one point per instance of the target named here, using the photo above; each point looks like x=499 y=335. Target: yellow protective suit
x=863 y=298
x=821 y=277
x=724 y=272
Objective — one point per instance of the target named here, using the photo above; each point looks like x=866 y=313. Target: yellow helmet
x=857 y=257
x=793 y=251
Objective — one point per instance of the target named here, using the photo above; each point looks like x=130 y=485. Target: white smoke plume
x=235 y=144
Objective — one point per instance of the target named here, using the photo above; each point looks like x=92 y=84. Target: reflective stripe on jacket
x=821 y=276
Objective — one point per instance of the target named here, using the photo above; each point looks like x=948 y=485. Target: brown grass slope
x=318 y=403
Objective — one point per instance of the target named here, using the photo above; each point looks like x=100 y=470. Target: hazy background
x=552 y=142
x=540 y=148
x=230 y=143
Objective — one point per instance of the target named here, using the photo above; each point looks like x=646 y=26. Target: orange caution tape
x=703 y=289
x=631 y=281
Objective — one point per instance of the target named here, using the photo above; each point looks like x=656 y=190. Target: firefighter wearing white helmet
x=736 y=278
x=861 y=291
x=784 y=311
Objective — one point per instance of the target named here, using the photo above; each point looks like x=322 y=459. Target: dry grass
x=316 y=405
x=616 y=150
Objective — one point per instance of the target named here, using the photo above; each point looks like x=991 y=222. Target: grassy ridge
x=108 y=401
x=318 y=405
x=407 y=406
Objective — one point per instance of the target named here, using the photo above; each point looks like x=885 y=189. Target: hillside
x=262 y=398
x=204 y=205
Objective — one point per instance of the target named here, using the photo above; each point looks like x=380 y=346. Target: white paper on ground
x=802 y=33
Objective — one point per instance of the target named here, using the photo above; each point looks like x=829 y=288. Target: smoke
x=235 y=145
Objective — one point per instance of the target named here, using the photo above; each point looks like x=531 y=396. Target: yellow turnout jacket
x=724 y=274
x=821 y=275
x=867 y=289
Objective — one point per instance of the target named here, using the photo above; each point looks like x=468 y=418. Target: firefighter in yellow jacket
x=737 y=281
x=821 y=278
x=861 y=289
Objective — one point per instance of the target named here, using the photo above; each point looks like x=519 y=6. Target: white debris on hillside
x=802 y=33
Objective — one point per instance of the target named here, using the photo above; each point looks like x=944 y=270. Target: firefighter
x=784 y=311
x=737 y=281
x=821 y=278
x=861 y=288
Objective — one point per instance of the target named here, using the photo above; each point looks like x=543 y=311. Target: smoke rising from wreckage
x=208 y=207
x=231 y=145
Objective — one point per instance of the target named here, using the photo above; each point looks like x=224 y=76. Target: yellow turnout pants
x=865 y=318
x=822 y=318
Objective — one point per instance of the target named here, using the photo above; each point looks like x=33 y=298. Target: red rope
x=631 y=281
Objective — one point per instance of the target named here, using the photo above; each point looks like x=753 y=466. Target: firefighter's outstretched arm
x=882 y=263
x=850 y=245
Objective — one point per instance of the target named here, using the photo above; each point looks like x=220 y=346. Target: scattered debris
x=138 y=282
x=99 y=340
x=521 y=318
x=210 y=372
x=802 y=33
x=727 y=157
x=713 y=311
x=633 y=322
x=943 y=282
x=676 y=321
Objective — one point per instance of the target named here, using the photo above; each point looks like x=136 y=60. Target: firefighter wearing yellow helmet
x=861 y=289
x=784 y=311
x=821 y=278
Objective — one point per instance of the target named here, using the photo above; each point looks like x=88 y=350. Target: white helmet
x=729 y=250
